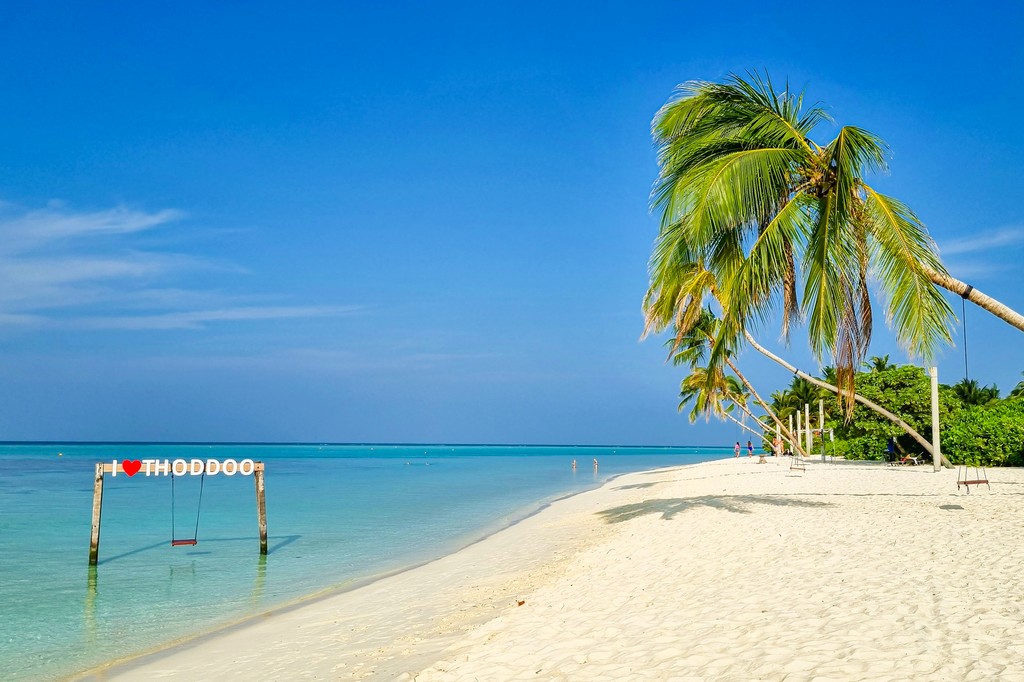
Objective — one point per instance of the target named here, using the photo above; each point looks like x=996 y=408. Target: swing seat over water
x=187 y=542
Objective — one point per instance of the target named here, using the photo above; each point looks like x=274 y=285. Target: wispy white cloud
x=967 y=269
x=29 y=230
x=196 y=319
x=983 y=241
x=342 y=362
x=85 y=270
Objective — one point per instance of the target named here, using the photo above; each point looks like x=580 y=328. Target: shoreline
x=128 y=664
x=719 y=570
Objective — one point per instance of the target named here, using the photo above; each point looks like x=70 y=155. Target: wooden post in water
x=261 y=505
x=97 y=511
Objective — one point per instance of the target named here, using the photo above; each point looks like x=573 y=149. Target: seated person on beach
x=890 y=451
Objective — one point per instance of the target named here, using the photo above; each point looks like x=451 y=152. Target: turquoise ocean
x=337 y=515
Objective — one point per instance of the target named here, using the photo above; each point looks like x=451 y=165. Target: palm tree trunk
x=976 y=297
x=859 y=398
x=744 y=426
x=768 y=410
x=757 y=421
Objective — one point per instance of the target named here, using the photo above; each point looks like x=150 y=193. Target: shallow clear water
x=336 y=514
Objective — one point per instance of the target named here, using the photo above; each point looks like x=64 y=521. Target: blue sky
x=428 y=222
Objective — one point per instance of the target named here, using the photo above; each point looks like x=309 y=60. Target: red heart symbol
x=131 y=466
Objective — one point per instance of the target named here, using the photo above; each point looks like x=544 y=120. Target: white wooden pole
x=791 y=432
x=821 y=426
x=807 y=427
x=936 y=453
x=799 y=435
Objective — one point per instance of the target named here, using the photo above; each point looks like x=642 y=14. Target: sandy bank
x=728 y=571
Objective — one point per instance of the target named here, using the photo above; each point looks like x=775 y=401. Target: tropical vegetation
x=761 y=222
x=978 y=427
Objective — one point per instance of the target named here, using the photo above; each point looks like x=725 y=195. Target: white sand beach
x=729 y=570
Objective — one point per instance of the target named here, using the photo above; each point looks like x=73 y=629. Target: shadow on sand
x=739 y=504
x=637 y=486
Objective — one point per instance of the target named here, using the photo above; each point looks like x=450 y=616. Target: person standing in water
x=595 y=464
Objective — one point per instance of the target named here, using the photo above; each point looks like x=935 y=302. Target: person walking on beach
x=777 y=446
x=750 y=449
x=736 y=448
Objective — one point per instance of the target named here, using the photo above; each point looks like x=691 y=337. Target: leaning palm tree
x=755 y=213
x=693 y=348
x=714 y=396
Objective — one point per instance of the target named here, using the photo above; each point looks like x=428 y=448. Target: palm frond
x=918 y=313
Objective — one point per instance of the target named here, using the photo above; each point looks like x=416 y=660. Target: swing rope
x=980 y=472
x=963 y=320
x=195 y=535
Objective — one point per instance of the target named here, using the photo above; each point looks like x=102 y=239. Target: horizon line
x=325 y=443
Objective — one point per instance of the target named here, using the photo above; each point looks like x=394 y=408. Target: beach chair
x=910 y=460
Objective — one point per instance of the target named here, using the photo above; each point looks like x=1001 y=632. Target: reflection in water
x=257 y=584
x=90 y=606
x=184 y=575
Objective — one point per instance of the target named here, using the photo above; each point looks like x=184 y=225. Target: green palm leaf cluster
x=760 y=220
x=710 y=391
x=1018 y=390
x=879 y=363
x=970 y=392
x=717 y=401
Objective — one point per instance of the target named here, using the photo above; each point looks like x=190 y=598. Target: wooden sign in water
x=177 y=467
